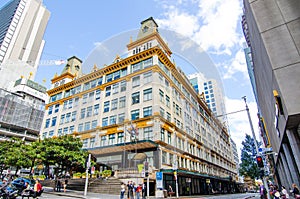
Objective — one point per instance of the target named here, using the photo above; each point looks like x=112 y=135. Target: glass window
x=147 y=133
x=123 y=86
x=135 y=114
x=53 y=121
x=169 y=137
x=114 y=104
x=92 y=142
x=70 y=103
x=105 y=121
x=89 y=111
x=147 y=111
x=120 y=137
x=80 y=127
x=91 y=96
x=162 y=112
x=73 y=116
x=85 y=143
x=59 y=133
x=103 y=140
x=122 y=102
x=82 y=113
x=112 y=138
x=66 y=130
x=84 y=98
x=62 y=119
x=56 y=108
x=168 y=116
x=168 y=101
x=112 y=119
x=71 y=129
x=94 y=124
x=47 y=123
x=121 y=117
x=96 y=109
x=109 y=77
x=115 y=88
x=98 y=92
x=106 y=106
x=76 y=101
x=135 y=81
x=136 y=98
x=107 y=91
x=162 y=134
x=148 y=77
x=148 y=94
x=136 y=67
x=68 y=117
x=87 y=126
x=161 y=95
x=51 y=133
x=50 y=108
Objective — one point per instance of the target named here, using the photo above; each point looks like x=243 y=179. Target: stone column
x=290 y=164
x=294 y=140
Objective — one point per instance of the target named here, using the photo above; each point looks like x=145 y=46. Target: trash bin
x=165 y=193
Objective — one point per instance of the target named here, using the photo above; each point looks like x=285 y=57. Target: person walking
x=295 y=191
x=138 y=191
x=284 y=193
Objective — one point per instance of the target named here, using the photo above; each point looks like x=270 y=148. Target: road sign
x=262 y=150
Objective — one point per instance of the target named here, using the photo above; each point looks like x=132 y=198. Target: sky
x=78 y=28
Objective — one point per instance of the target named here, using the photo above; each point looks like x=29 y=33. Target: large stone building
x=22 y=27
x=271 y=30
x=142 y=110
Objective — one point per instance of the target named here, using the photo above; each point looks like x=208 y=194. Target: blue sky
x=77 y=27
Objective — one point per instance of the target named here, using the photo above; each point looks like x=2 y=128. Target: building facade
x=22 y=26
x=22 y=110
x=272 y=32
x=141 y=110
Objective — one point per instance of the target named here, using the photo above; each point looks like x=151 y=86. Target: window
x=106 y=106
x=94 y=124
x=135 y=81
x=147 y=111
x=50 y=110
x=109 y=77
x=169 y=137
x=87 y=126
x=105 y=121
x=80 y=127
x=147 y=133
x=65 y=105
x=122 y=102
x=148 y=94
x=62 y=119
x=121 y=117
x=112 y=119
x=68 y=116
x=82 y=113
x=103 y=140
x=115 y=88
x=96 y=109
x=91 y=96
x=73 y=118
x=161 y=95
x=148 y=77
x=92 y=142
x=164 y=157
x=168 y=116
x=51 y=133
x=112 y=138
x=120 y=137
x=107 y=91
x=71 y=129
x=56 y=108
x=76 y=100
x=123 y=86
x=162 y=112
x=136 y=98
x=89 y=111
x=114 y=104
x=84 y=98
x=70 y=104
x=53 y=121
x=59 y=133
x=162 y=134
x=168 y=101
x=136 y=67
x=98 y=92
x=65 y=131
x=147 y=63
x=47 y=123
x=85 y=143
x=135 y=114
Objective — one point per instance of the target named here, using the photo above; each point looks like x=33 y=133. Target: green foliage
x=106 y=173
x=65 y=152
x=248 y=166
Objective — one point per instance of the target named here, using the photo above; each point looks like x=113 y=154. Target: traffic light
x=146 y=174
x=259 y=161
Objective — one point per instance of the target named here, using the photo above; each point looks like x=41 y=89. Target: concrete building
x=22 y=26
x=272 y=32
x=141 y=115
x=22 y=110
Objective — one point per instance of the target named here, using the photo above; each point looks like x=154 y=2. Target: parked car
x=19 y=183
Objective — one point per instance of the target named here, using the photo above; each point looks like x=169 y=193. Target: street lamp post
x=256 y=147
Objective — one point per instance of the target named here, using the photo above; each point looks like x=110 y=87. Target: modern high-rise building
x=140 y=113
x=271 y=30
x=212 y=93
x=22 y=27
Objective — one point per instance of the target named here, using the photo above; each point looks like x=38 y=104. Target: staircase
x=105 y=186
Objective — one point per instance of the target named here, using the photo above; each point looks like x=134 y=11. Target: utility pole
x=88 y=165
x=256 y=147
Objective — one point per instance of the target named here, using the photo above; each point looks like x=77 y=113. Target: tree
x=65 y=152
x=3 y=148
x=248 y=166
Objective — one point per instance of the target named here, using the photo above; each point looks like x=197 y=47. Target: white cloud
x=238 y=122
x=235 y=65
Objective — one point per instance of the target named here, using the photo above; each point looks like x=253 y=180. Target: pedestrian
x=138 y=191
x=37 y=189
x=65 y=185
x=284 y=193
x=58 y=185
x=295 y=191
x=128 y=190
x=144 y=191
x=122 y=191
x=262 y=191
x=170 y=191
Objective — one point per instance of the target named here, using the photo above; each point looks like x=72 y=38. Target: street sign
x=262 y=150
